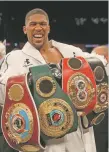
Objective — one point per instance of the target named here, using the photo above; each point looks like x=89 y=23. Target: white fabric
x=1 y=60
x=2 y=49
x=15 y=64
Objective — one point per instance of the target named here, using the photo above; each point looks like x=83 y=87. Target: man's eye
x=32 y=24
x=43 y=24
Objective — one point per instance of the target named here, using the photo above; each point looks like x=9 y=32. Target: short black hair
x=36 y=11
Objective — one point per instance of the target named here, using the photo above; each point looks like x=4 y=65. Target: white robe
x=15 y=64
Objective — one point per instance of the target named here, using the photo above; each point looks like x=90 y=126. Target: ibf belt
x=20 y=122
x=79 y=83
x=98 y=114
x=56 y=112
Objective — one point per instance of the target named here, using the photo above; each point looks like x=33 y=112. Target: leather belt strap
x=79 y=83
x=98 y=114
x=20 y=122
x=56 y=112
x=101 y=84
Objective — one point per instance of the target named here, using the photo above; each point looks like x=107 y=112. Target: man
x=39 y=50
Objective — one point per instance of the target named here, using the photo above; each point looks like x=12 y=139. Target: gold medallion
x=30 y=148
x=19 y=123
x=45 y=86
x=102 y=97
x=16 y=92
x=102 y=93
x=80 y=90
x=56 y=117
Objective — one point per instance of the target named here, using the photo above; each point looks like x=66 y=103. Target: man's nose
x=38 y=27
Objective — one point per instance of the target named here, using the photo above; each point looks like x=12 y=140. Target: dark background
x=62 y=16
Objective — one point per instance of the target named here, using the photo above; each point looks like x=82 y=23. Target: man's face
x=37 y=29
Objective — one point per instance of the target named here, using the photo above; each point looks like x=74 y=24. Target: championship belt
x=78 y=82
x=20 y=121
x=57 y=114
x=97 y=115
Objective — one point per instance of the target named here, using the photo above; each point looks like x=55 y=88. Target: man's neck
x=46 y=47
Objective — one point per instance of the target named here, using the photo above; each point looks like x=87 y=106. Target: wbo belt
x=98 y=113
x=20 y=121
x=57 y=114
x=78 y=82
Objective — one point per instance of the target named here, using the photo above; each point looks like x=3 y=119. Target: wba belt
x=79 y=83
x=20 y=121
x=57 y=114
x=97 y=115
x=101 y=84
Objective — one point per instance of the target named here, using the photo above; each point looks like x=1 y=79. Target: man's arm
x=3 y=71
x=101 y=50
x=6 y=71
x=99 y=56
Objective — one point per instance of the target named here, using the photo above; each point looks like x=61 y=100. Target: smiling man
x=37 y=29
x=38 y=51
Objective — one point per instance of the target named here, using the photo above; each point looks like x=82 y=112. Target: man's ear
x=24 y=30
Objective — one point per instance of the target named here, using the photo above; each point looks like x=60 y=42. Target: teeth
x=37 y=36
